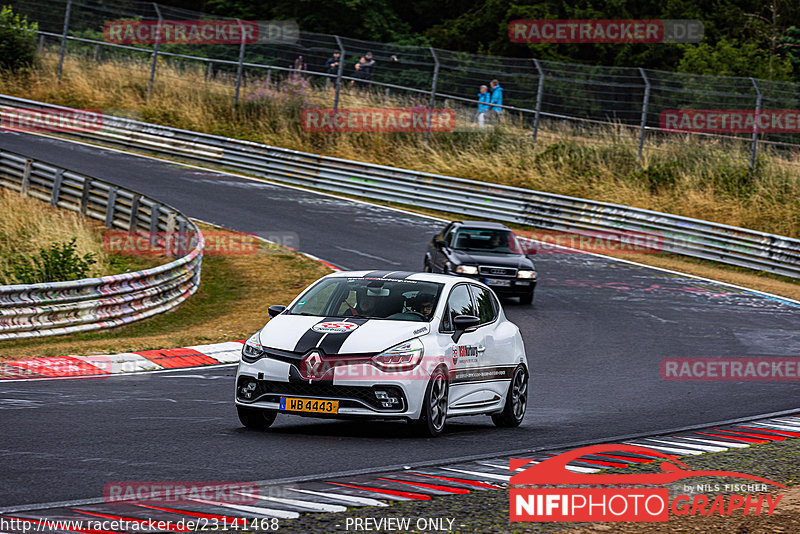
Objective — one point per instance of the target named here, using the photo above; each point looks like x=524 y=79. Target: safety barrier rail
x=53 y=308
x=671 y=233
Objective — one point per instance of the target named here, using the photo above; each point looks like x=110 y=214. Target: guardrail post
x=57 y=180
x=153 y=225
x=111 y=203
x=87 y=186
x=432 y=100
x=95 y=52
x=339 y=72
x=181 y=244
x=133 y=221
x=209 y=70
x=155 y=53
x=41 y=43
x=26 y=178
x=645 y=104
x=539 y=95
x=64 y=40
x=240 y=66
x=754 y=147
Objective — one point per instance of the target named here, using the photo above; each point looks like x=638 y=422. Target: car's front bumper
x=504 y=285
x=360 y=389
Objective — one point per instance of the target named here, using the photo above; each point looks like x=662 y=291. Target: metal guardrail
x=54 y=308
x=680 y=235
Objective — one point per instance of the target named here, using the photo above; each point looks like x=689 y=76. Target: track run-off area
x=595 y=337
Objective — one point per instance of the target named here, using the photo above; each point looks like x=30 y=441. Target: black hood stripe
x=334 y=341
x=310 y=339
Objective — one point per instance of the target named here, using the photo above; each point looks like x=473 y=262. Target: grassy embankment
x=706 y=179
x=230 y=304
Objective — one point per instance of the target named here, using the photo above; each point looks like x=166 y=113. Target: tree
x=17 y=40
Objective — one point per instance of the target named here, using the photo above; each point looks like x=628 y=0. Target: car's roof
x=401 y=275
x=482 y=224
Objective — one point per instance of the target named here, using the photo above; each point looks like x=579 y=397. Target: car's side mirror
x=463 y=324
x=275 y=310
x=438 y=242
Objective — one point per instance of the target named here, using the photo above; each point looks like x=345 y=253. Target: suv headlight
x=402 y=357
x=252 y=349
x=467 y=269
x=526 y=274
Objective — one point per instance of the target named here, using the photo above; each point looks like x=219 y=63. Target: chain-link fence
x=534 y=90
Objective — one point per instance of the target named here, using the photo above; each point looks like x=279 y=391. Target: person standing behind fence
x=368 y=65
x=484 y=97
x=497 y=96
x=332 y=67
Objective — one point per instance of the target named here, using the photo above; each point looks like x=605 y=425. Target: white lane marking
x=501 y=467
x=578 y=469
x=777 y=426
x=736 y=445
x=673 y=450
x=370 y=256
x=792 y=423
x=400 y=210
x=106 y=377
x=270 y=512
x=361 y=501
x=679 y=442
x=310 y=505
x=504 y=478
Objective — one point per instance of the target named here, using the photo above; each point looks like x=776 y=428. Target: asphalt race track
x=594 y=337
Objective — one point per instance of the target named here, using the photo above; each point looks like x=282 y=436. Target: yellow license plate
x=292 y=404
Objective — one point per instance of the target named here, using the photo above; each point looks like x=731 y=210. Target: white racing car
x=393 y=345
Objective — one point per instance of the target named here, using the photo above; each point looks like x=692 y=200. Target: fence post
x=26 y=178
x=754 y=148
x=239 y=67
x=338 y=73
x=155 y=53
x=432 y=100
x=539 y=95
x=645 y=104
x=64 y=40
x=57 y=179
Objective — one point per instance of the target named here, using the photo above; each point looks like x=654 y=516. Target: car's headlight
x=467 y=269
x=402 y=357
x=526 y=274
x=252 y=349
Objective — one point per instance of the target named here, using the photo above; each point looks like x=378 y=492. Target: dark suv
x=486 y=251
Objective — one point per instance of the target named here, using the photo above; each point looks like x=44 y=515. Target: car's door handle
x=481 y=349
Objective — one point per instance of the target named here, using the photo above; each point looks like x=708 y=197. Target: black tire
x=526 y=298
x=256 y=418
x=434 y=407
x=516 y=400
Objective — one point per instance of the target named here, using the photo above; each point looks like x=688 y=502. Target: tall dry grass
x=685 y=175
x=26 y=225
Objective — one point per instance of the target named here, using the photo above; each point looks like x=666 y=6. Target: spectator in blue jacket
x=484 y=98
x=497 y=96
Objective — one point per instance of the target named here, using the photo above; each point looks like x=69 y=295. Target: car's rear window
x=373 y=298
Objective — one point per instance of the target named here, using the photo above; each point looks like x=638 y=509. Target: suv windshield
x=372 y=298
x=495 y=241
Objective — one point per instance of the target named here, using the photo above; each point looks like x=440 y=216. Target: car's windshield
x=482 y=240
x=372 y=298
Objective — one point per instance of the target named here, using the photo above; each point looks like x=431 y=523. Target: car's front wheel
x=516 y=400
x=434 y=406
x=256 y=418
x=526 y=298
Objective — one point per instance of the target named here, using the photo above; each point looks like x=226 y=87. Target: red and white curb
x=338 y=493
x=123 y=363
